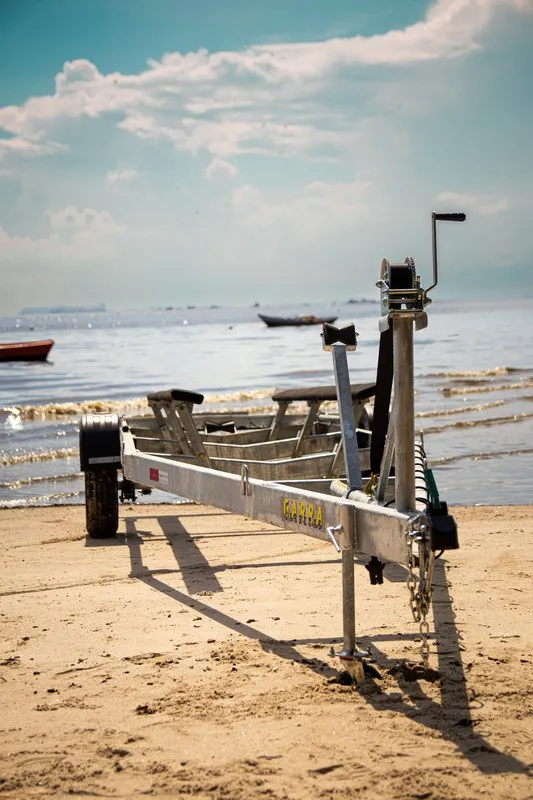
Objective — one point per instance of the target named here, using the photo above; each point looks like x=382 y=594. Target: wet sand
x=190 y=657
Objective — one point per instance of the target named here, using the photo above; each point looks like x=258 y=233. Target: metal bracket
x=330 y=531
x=245 y=481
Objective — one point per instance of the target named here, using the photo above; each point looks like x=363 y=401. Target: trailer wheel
x=101 y=503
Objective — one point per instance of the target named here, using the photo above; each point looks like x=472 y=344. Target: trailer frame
x=352 y=513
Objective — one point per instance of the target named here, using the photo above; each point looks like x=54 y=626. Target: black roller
x=99 y=442
x=178 y=395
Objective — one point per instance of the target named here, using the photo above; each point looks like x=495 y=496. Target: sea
x=473 y=380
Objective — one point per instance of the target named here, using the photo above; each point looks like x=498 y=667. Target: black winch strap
x=380 y=421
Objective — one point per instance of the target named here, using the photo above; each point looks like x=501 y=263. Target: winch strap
x=380 y=421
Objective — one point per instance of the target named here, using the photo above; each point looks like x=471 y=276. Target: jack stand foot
x=353 y=663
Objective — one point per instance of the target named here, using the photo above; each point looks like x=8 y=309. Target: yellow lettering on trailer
x=308 y=514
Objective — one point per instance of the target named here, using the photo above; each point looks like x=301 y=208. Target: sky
x=163 y=152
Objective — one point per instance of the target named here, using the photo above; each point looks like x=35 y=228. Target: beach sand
x=190 y=657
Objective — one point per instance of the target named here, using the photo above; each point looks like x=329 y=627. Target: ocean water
x=473 y=378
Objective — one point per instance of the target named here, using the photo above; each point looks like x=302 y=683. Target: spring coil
x=421 y=487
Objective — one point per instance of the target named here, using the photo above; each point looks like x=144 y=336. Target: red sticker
x=154 y=474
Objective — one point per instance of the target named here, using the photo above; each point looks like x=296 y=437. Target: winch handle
x=455 y=217
x=435 y=217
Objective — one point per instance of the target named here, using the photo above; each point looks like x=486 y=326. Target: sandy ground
x=190 y=657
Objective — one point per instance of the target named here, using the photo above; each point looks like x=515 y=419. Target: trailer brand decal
x=158 y=475
x=305 y=513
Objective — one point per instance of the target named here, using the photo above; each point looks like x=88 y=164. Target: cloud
x=229 y=103
x=74 y=261
x=121 y=176
x=320 y=200
x=480 y=204
x=19 y=146
x=74 y=236
x=220 y=166
x=70 y=220
x=292 y=235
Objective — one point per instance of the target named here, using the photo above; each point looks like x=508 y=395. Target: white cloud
x=220 y=166
x=19 y=146
x=74 y=236
x=320 y=196
x=480 y=203
x=285 y=232
x=247 y=196
x=70 y=220
x=121 y=176
x=228 y=103
x=74 y=261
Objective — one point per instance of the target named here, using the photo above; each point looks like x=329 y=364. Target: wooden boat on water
x=301 y=319
x=26 y=351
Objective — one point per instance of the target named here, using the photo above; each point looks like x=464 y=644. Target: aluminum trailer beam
x=366 y=527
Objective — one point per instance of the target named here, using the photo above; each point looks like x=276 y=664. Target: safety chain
x=421 y=589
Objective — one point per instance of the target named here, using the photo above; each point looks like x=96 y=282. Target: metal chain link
x=420 y=589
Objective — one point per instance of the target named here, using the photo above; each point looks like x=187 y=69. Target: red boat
x=26 y=351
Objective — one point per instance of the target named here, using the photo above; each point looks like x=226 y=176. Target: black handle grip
x=450 y=217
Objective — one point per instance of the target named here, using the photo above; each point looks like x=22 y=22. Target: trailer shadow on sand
x=452 y=715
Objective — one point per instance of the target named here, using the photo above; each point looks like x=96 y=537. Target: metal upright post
x=348 y=601
x=403 y=411
x=347 y=420
x=350 y=657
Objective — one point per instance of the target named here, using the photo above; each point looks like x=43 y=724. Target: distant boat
x=301 y=319
x=26 y=351
x=64 y=309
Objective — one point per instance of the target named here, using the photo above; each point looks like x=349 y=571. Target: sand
x=190 y=657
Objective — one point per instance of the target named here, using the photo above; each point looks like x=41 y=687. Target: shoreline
x=191 y=656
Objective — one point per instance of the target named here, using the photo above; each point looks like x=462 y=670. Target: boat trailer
x=385 y=506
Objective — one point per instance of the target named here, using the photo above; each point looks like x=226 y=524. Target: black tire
x=101 y=503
